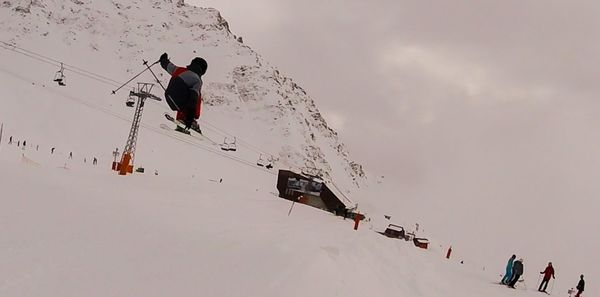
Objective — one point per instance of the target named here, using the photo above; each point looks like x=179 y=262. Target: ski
x=195 y=127
x=180 y=128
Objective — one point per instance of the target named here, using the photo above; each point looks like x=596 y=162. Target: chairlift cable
x=57 y=64
x=53 y=62
x=159 y=131
x=71 y=67
x=114 y=83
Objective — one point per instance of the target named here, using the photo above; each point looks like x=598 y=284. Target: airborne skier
x=183 y=93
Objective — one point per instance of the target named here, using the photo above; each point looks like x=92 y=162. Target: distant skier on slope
x=183 y=93
x=548 y=272
x=516 y=272
x=508 y=274
x=580 y=286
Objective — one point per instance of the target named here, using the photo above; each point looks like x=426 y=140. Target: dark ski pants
x=579 y=293
x=514 y=280
x=543 y=285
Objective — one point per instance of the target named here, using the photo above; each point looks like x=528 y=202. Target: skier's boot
x=196 y=127
x=182 y=130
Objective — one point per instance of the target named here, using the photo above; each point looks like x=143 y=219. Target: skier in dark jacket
x=517 y=272
x=509 y=267
x=548 y=272
x=183 y=93
x=580 y=286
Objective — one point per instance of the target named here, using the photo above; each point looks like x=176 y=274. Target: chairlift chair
x=232 y=146
x=225 y=145
x=270 y=165
x=59 y=77
x=261 y=161
x=131 y=99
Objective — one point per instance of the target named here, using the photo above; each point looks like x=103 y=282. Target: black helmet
x=198 y=65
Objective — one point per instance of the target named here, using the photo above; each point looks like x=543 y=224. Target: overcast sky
x=421 y=71
x=492 y=102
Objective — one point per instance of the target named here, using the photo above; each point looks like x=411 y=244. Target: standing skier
x=548 y=272
x=183 y=93
x=509 y=267
x=580 y=286
x=516 y=272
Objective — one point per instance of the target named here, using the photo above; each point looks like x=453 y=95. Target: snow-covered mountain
x=265 y=108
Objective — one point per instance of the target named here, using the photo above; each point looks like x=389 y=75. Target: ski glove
x=164 y=57
x=164 y=60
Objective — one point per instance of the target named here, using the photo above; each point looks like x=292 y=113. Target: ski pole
x=161 y=85
x=115 y=91
x=552 y=288
x=290 y=212
x=155 y=77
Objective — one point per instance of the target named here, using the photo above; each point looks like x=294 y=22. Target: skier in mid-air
x=548 y=272
x=183 y=93
x=509 y=266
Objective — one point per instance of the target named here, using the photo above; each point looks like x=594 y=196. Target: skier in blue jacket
x=509 y=267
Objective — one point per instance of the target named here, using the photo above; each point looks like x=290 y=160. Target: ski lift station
x=313 y=191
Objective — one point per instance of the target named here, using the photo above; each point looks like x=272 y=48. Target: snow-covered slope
x=85 y=231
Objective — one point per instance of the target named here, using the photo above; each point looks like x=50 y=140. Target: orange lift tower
x=140 y=95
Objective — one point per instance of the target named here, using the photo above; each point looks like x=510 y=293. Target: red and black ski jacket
x=548 y=272
x=184 y=90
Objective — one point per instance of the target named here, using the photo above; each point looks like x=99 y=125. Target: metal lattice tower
x=142 y=93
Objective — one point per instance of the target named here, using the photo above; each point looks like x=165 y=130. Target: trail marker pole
x=356 y=220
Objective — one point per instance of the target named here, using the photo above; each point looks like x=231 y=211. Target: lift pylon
x=128 y=157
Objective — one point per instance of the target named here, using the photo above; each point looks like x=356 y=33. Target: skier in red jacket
x=184 y=92
x=548 y=272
